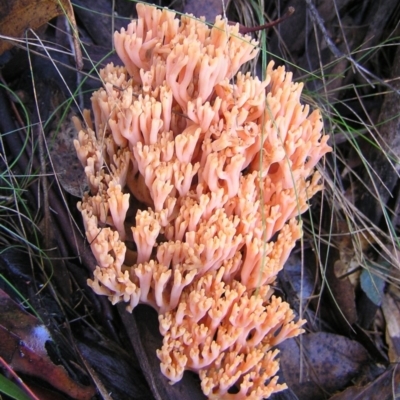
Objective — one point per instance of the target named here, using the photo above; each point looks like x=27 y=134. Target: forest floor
x=344 y=277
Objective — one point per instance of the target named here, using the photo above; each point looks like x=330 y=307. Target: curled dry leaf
x=23 y=339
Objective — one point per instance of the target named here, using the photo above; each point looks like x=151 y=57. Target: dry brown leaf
x=391 y=311
x=66 y=164
x=343 y=294
x=385 y=387
x=330 y=363
x=19 y=15
x=23 y=339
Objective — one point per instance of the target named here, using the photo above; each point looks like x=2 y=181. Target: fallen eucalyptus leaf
x=385 y=387
x=330 y=363
x=23 y=339
x=17 y=16
x=391 y=311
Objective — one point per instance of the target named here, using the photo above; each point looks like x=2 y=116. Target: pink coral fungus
x=220 y=162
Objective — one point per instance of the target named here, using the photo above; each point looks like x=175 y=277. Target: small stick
x=244 y=29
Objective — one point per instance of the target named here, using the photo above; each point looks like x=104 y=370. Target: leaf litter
x=350 y=300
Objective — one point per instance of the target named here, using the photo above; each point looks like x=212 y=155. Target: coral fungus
x=220 y=162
